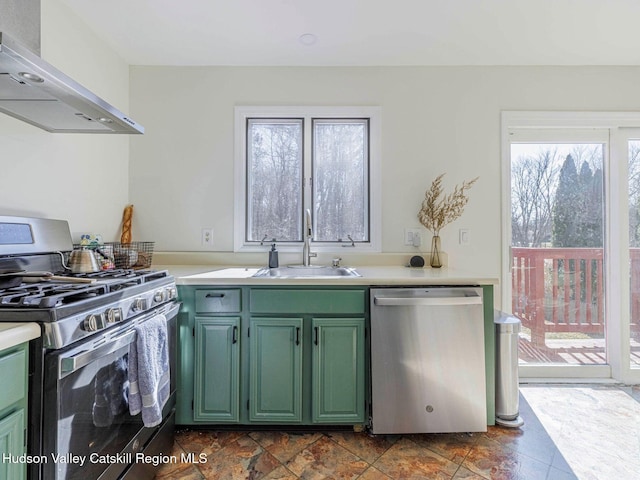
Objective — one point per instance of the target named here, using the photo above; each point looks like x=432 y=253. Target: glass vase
x=434 y=259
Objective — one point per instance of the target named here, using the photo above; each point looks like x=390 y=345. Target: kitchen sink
x=304 y=271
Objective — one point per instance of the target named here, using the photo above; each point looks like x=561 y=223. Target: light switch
x=412 y=237
x=464 y=236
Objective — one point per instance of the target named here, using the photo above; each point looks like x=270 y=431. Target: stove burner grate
x=53 y=294
x=46 y=295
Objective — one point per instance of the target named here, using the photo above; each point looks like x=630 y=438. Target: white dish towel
x=149 y=374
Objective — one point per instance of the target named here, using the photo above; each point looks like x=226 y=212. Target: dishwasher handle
x=426 y=301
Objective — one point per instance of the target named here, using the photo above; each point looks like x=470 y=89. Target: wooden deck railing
x=561 y=290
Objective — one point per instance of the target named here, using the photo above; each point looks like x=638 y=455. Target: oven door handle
x=68 y=365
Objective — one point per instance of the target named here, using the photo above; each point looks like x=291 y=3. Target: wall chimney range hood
x=35 y=92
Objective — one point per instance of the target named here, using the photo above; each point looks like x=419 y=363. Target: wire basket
x=123 y=255
x=132 y=255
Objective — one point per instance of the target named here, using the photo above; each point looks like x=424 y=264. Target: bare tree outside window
x=340 y=174
x=533 y=178
x=634 y=193
x=339 y=169
x=556 y=195
x=274 y=183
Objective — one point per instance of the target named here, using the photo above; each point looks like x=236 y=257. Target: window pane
x=557 y=219
x=274 y=183
x=340 y=180
x=634 y=249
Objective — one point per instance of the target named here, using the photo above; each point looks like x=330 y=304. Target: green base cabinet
x=217 y=369
x=247 y=355
x=13 y=410
x=275 y=370
x=209 y=355
x=12 y=444
x=338 y=370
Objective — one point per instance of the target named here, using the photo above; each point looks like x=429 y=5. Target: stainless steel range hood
x=35 y=92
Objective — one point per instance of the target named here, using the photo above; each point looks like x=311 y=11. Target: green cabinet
x=337 y=382
x=209 y=355
x=217 y=369
x=12 y=444
x=338 y=370
x=13 y=409
x=275 y=371
x=248 y=355
x=327 y=330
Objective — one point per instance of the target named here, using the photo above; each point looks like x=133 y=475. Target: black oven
x=87 y=426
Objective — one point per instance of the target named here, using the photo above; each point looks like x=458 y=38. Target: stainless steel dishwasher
x=427 y=360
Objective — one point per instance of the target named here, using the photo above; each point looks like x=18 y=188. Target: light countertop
x=370 y=276
x=12 y=334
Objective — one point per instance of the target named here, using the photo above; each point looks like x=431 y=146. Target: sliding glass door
x=571 y=264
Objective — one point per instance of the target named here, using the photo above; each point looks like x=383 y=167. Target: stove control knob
x=139 y=304
x=113 y=315
x=93 y=322
x=159 y=296
x=172 y=293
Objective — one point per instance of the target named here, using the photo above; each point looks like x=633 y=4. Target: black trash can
x=507 y=393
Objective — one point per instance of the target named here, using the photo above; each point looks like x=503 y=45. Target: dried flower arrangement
x=436 y=212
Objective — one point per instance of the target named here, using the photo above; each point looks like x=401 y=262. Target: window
x=557 y=245
x=274 y=179
x=321 y=159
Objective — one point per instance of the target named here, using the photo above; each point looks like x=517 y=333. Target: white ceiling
x=368 y=32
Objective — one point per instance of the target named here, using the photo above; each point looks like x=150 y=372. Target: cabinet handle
x=315 y=335
x=297 y=335
x=214 y=295
x=234 y=336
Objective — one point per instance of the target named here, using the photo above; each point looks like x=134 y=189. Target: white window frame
x=242 y=113
x=616 y=237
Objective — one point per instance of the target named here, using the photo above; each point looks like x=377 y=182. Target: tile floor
x=586 y=432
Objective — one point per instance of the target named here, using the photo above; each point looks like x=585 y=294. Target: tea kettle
x=82 y=261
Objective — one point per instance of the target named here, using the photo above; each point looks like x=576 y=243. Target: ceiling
x=367 y=32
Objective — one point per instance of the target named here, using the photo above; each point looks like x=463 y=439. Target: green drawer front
x=218 y=300
x=283 y=301
x=13 y=371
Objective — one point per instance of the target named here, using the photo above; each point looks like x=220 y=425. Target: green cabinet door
x=275 y=370
x=217 y=369
x=12 y=444
x=338 y=370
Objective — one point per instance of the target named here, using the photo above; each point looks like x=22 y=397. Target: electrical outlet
x=412 y=237
x=207 y=237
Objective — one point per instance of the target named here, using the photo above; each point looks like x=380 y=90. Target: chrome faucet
x=308 y=234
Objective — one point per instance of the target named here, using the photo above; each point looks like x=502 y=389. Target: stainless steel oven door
x=85 y=408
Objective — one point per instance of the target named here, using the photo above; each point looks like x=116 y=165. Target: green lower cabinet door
x=217 y=369
x=275 y=371
x=338 y=370
x=12 y=444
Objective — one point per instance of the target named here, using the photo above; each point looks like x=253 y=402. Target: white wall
x=180 y=176
x=434 y=120
x=82 y=178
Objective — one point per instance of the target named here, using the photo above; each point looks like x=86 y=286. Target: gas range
x=72 y=311
x=79 y=367
x=69 y=311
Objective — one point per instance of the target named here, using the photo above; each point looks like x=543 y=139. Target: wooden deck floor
x=579 y=351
